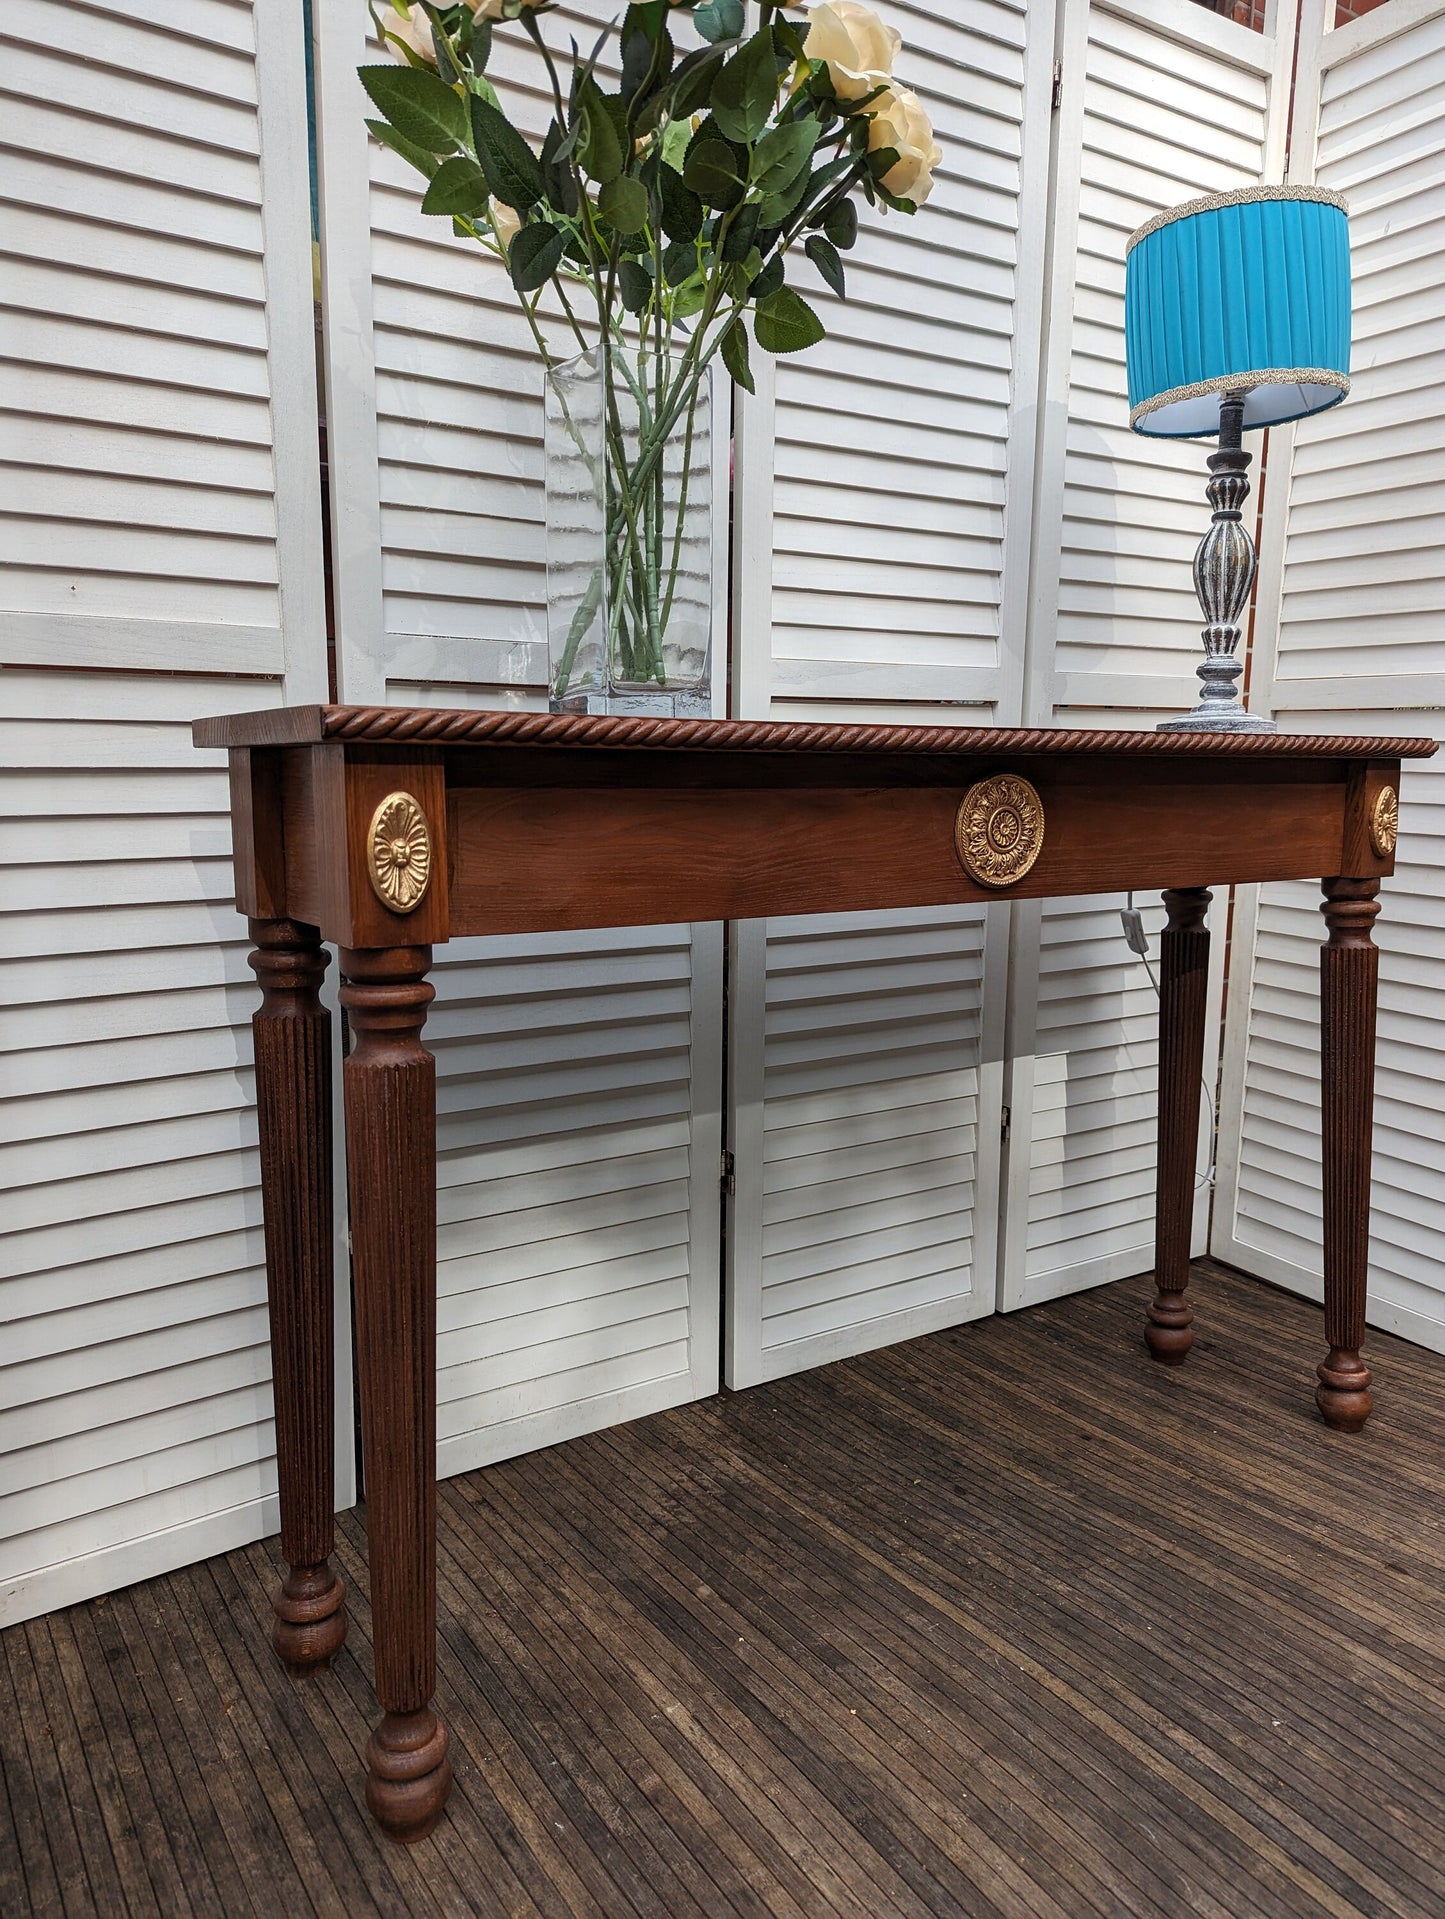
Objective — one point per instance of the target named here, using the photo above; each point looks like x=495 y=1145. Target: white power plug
x=1132 y=921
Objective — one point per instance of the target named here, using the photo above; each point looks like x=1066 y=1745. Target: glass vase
x=629 y=452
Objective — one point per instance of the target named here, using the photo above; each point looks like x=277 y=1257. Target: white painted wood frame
x=1157 y=102
x=885 y=496
x=1352 y=586
x=161 y=520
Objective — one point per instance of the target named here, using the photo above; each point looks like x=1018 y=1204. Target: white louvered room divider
x=1353 y=583
x=1159 y=101
x=885 y=499
x=579 y=1076
x=942 y=516
x=162 y=542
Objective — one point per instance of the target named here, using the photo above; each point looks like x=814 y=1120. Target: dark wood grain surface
x=549 y=822
x=566 y=857
x=1349 y=989
x=1005 y=1621
x=390 y=1090
x=292 y=1034
x=1183 y=1012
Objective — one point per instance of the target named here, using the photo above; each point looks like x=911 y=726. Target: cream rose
x=506 y=223
x=858 y=48
x=898 y=120
x=413 y=28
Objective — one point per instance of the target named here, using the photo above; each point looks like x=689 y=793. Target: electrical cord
x=1137 y=940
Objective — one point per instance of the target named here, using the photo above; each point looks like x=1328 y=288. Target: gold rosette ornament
x=398 y=853
x=999 y=832
x=1385 y=822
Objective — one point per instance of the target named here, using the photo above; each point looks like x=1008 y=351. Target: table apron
x=540 y=859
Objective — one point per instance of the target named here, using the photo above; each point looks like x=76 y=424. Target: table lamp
x=1236 y=315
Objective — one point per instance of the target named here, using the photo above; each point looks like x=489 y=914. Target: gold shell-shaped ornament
x=999 y=832
x=1385 y=822
x=398 y=853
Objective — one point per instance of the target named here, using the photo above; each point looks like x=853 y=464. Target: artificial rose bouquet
x=661 y=216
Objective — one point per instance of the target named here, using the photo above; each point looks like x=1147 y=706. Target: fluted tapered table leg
x=292 y=1031
x=1349 y=986
x=1183 y=1003
x=390 y=1082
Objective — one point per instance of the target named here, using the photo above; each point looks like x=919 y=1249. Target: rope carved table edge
x=401 y=726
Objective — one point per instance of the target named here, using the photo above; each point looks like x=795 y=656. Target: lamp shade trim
x=1236 y=197
x=1238 y=382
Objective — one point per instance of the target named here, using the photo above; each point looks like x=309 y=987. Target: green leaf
x=624 y=202
x=675 y=143
x=476 y=43
x=720 y=19
x=742 y=234
x=679 y=262
x=558 y=177
x=414 y=155
x=782 y=154
x=682 y=211
x=712 y=173
x=840 y=223
x=824 y=256
x=787 y=40
x=786 y=324
x=599 y=145
x=534 y=256
x=514 y=173
x=420 y=105
x=766 y=283
x=747 y=90
x=736 y=358
x=458 y=186
x=779 y=208
x=692 y=84
x=647 y=50
x=742 y=276
x=647 y=15
x=634 y=284
x=689 y=300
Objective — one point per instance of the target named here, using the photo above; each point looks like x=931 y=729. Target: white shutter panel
x=892 y=437
x=579 y=1077
x=866 y=1148
x=160 y=511
x=1160 y=102
x=883 y=554
x=1354 y=571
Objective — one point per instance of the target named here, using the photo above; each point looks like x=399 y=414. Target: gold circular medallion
x=398 y=853
x=999 y=832
x=1385 y=822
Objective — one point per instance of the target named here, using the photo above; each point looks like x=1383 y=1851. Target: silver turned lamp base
x=1224 y=569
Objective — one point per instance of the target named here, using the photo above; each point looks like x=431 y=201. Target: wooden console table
x=387 y=830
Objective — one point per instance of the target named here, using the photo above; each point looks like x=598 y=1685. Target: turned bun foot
x=310 y=1623
x=1343 y=1394
x=408 y=1774
x=1169 y=1332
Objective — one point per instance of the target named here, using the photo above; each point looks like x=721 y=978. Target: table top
x=441 y=726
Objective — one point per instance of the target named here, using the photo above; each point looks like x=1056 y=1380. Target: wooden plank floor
x=1004 y=1621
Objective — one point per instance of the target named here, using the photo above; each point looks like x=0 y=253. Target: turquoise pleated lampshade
x=1245 y=289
